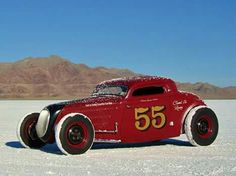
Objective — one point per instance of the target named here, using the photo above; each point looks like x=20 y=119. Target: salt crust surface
x=168 y=157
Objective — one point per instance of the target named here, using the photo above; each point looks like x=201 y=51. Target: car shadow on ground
x=175 y=142
x=49 y=148
x=53 y=149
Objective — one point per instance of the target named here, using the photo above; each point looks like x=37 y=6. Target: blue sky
x=187 y=40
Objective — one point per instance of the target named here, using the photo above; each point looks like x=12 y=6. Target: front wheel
x=201 y=126
x=26 y=132
x=74 y=134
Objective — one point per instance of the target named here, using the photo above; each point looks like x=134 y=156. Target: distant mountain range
x=56 y=78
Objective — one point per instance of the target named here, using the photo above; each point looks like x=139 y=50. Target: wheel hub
x=32 y=131
x=75 y=135
x=203 y=127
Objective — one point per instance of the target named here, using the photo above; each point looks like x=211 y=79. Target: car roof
x=129 y=81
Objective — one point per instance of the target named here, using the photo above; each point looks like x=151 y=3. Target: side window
x=152 y=90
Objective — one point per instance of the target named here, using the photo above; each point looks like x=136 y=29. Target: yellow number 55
x=157 y=113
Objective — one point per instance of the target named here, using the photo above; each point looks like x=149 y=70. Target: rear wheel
x=26 y=132
x=74 y=134
x=201 y=126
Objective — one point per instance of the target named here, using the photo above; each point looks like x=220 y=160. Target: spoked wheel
x=74 y=134
x=201 y=126
x=26 y=132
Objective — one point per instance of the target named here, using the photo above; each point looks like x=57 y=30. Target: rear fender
x=191 y=108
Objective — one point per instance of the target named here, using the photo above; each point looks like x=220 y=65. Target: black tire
x=74 y=134
x=201 y=126
x=26 y=132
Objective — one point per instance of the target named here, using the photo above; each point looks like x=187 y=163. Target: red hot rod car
x=125 y=110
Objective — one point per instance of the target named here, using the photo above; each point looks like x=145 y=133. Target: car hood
x=85 y=102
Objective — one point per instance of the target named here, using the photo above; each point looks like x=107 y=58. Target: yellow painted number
x=157 y=113
x=141 y=115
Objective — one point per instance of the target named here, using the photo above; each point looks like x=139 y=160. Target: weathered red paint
x=113 y=117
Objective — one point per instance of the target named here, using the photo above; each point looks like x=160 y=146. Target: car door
x=147 y=114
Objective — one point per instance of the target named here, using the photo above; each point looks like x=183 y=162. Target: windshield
x=118 y=90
